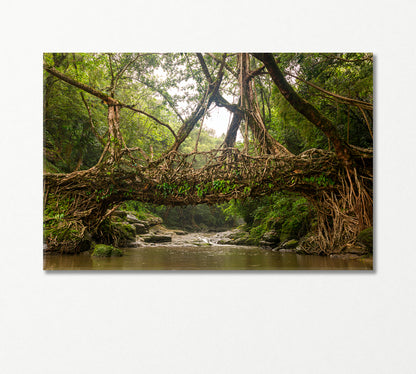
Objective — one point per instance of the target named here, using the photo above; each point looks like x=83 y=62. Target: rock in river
x=141 y=228
x=157 y=238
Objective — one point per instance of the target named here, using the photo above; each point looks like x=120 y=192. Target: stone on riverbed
x=102 y=250
x=245 y=240
x=132 y=245
x=269 y=239
x=153 y=221
x=141 y=228
x=157 y=238
x=144 y=223
x=226 y=241
x=180 y=232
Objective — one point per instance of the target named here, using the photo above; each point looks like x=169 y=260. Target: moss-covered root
x=102 y=250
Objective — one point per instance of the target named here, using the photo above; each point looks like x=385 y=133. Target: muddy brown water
x=192 y=252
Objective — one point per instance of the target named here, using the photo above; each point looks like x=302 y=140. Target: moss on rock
x=103 y=250
x=124 y=231
x=290 y=244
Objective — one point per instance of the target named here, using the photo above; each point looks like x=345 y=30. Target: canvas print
x=208 y=161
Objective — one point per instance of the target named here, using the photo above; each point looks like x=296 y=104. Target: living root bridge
x=343 y=200
x=229 y=174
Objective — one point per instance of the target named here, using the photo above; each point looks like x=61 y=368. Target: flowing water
x=200 y=252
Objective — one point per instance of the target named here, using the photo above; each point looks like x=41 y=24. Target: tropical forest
x=208 y=161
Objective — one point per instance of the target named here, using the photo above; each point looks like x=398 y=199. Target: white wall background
x=201 y=322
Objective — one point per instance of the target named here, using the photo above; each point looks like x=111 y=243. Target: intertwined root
x=341 y=215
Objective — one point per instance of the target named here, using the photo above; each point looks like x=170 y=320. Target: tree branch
x=165 y=96
x=227 y=67
x=204 y=67
x=150 y=116
x=104 y=97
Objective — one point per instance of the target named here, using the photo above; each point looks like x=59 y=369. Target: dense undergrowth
x=289 y=216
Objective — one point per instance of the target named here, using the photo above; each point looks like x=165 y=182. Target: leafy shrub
x=139 y=208
x=59 y=231
x=289 y=215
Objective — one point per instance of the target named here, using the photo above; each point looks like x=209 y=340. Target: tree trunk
x=116 y=140
x=342 y=149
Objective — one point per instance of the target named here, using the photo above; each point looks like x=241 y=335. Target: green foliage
x=169 y=86
x=115 y=232
x=349 y=75
x=194 y=218
x=321 y=180
x=289 y=215
x=55 y=209
x=58 y=227
x=140 y=210
x=123 y=231
x=201 y=189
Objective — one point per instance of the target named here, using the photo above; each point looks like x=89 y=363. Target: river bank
x=161 y=248
x=125 y=231
x=192 y=252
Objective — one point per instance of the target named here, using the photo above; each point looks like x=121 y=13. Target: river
x=192 y=252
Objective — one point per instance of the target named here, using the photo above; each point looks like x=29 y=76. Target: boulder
x=144 y=223
x=245 y=240
x=237 y=234
x=120 y=213
x=201 y=243
x=153 y=221
x=131 y=218
x=271 y=236
x=102 y=250
x=269 y=239
x=157 y=238
x=180 y=232
x=124 y=231
x=140 y=228
x=265 y=244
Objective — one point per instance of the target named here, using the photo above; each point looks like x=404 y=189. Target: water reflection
x=201 y=258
